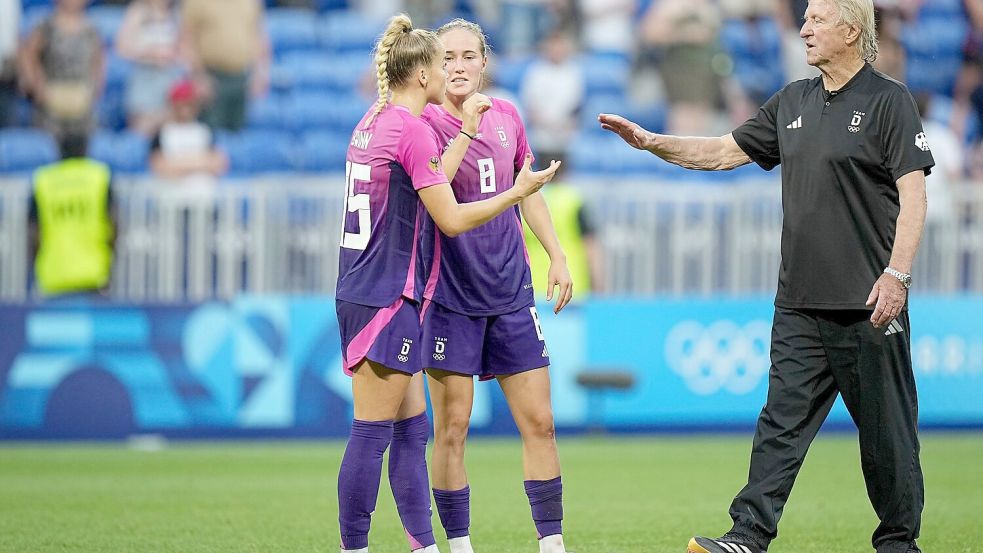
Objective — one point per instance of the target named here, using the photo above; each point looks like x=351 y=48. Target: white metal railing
x=281 y=235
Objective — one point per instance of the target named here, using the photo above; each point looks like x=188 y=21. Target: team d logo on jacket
x=854 y=126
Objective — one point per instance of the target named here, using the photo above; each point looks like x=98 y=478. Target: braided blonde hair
x=400 y=50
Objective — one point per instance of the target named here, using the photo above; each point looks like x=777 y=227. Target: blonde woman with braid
x=393 y=163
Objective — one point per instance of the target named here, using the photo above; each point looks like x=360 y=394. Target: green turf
x=621 y=495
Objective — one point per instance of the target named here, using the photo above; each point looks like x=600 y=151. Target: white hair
x=860 y=13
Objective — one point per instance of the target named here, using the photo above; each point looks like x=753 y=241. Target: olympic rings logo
x=722 y=356
x=439 y=356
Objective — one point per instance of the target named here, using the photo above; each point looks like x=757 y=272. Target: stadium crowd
x=279 y=85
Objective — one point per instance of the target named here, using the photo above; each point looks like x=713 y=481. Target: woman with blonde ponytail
x=393 y=163
x=480 y=317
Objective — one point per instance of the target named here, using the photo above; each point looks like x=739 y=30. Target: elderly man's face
x=825 y=36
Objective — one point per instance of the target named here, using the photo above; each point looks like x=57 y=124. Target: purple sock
x=409 y=480
x=454 y=510
x=546 y=501
x=358 y=480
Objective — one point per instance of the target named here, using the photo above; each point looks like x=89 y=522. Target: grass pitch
x=622 y=495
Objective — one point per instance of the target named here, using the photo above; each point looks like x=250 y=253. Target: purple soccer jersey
x=484 y=271
x=389 y=160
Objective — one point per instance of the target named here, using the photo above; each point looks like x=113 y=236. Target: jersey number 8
x=356 y=202
x=486 y=174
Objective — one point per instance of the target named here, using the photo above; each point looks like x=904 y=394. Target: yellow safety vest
x=565 y=203
x=74 y=247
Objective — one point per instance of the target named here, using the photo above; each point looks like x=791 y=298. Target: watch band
x=904 y=278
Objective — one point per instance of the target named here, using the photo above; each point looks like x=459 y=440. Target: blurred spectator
x=576 y=233
x=149 y=37
x=230 y=52
x=890 y=17
x=947 y=150
x=9 y=34
x=607 y=25
x=523 y=25
x=968 y=97
x=184 y=148
x=72 y=222
x=552 y=93
x=684 y=35
x=754 y=73
x=975 y=163
x=63 y=69
x=791 y=15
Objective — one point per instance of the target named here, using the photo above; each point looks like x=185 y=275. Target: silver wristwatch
x=905 y=278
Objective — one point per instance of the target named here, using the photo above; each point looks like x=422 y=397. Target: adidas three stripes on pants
x=815 y=355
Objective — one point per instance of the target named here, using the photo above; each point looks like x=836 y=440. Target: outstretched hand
x=528 y=182
x=630 y=132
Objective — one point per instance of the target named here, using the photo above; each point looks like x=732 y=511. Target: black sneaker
x=728 y=543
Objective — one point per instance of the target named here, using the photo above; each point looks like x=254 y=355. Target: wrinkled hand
x=472 y=109
x=630 y=132
x=528 y=182
x=559 y=275
x=888 y=296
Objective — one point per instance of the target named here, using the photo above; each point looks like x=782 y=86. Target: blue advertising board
x=271 y=366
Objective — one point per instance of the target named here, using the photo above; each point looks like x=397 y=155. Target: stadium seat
x=124 y=152
x=318 y=71
x=941 y=8
x=605 y=74
x=933 y=74
x=508 y=72
x=291 y=29
x=345 y=31
x=31 y=4
x=23 y=113
x=252 y=152
x=117 y=71
x=107 y=20
x=322 y=152
x=935 y=36
x=110 y=111
x=266 y=113
x=24 y=150
x=330 y=5
x=32 y=17
x=754 y=46
x=305 y=111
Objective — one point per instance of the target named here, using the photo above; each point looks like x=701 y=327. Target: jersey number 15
x=356 y=203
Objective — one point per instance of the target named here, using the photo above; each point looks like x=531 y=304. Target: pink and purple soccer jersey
x=479 y=317
x=484 y=271
x=389 y=159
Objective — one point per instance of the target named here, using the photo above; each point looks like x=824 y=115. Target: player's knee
x=452 y=432
x=540 y=425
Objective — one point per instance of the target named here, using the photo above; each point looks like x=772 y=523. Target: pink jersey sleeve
x=419 y=155
x=522 y=144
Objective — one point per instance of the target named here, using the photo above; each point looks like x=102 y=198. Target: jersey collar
x=853 y=81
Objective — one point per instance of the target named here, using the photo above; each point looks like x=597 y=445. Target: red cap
x=182 y=91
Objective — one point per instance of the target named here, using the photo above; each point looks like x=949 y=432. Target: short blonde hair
x=400 y=50
x=861 y=14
